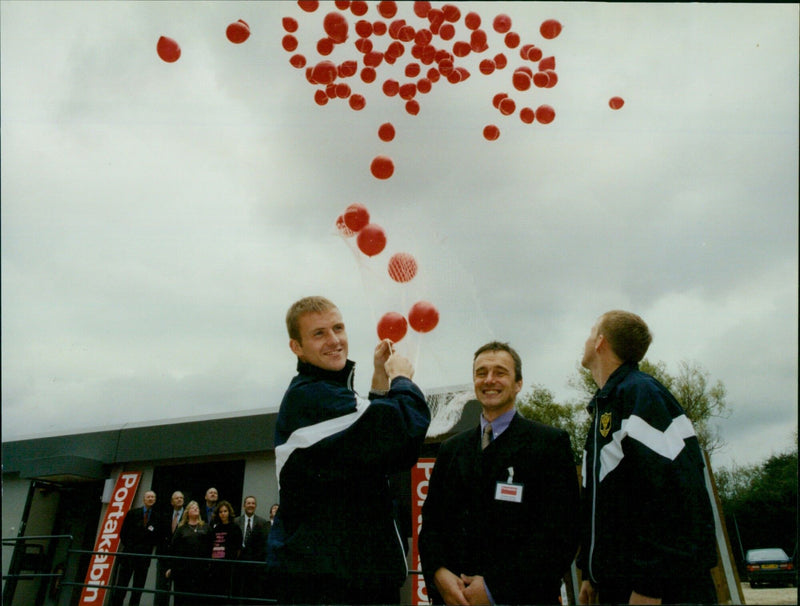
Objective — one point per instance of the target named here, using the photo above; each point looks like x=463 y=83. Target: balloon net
x=446 y=406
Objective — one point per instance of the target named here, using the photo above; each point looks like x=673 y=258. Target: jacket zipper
x=594 y=490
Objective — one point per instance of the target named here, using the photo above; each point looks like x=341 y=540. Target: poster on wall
x=99 y=572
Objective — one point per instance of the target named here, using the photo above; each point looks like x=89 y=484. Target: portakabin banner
x=99 y=573
x=420 y=478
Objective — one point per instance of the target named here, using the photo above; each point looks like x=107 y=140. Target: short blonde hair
x=627 y=334
x=304 y=306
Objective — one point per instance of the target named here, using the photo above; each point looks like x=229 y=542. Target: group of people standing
x=200 y=543
x=505 y=514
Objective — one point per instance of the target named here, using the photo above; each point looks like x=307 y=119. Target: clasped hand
x=461 y=590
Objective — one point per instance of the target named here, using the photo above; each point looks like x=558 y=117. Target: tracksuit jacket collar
x=615 y=379
x=343 y=376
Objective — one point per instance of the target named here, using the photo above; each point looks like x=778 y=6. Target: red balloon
x=324 y=72
x=168 y=49
x=298 y=61
x=387 y=9
x=521 y=80
x=379 y=28
x=497 y=98
x=512 y=40
x=390 y=87
x=534 y=54
x=347 y=69
x=402 y=267
x=412 y=70
x=364 y=28
x=486 y=67
x=447 y=31
x=308 y=5
x=371 y=239
x=541 y=79
x=359 y=8
x=342 y=5
x=289 y=43
x=545 y=114
x=501 y=24
x=527 y=115
x=238 y=32
x=412 y=107
x=407 y=91
x=552 y=78
x=491 y=132
x=357 y=102
x=472 y=20
x=550 y=29
x=616 y=102
x=289 y=24
x=424 y=85
x=356 y=217
x=335 y=25
x=345 y=231
x=386 y=131
x=321 y=97
x=382 y=167
x=421 y=9
x=325 y=46
x=451 y=13
x=477 y=41
x=368 y=75
x=547 y=63
x=392 y=326
x=423 y=316
x=500 y=61
x=507 y=106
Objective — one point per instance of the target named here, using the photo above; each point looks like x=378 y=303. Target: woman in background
x=192 y=539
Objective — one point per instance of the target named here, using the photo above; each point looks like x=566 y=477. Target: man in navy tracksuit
x=648 y=529
x=334 y=539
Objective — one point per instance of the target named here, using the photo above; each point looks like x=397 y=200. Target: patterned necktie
x=174 y=521
x=248 y=531
x=486 y=438
x=146 y=517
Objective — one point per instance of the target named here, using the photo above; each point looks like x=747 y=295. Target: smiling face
x=249 y=506
x=496 y=385
x=323 y=340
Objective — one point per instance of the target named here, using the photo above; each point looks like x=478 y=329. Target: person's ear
x=296 y=348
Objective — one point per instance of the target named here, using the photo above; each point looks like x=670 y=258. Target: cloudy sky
x=159 y=218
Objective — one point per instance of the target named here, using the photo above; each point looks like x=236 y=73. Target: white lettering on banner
x=99 y=573
x=420 y=479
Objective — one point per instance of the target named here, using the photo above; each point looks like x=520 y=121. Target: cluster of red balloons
x=170 y=51
x=431 y=51
x=402 y=267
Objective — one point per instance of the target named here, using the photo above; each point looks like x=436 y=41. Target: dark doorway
x=193 y=479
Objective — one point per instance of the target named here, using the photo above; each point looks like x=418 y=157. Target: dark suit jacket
x=256 y=549
x=521 y=549
x=138 y=538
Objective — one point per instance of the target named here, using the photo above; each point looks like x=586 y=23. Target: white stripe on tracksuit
x=311 y=434
x=668 y=443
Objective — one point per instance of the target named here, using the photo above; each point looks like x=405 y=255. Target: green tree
x=540 y=405
x=760 y=503
x=702 y=401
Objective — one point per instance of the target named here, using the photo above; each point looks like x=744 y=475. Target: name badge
x=506 y=491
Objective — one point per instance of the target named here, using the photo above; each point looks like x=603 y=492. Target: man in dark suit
x=500 y=522
x=255 y=529
x=168 y=529
x=141 y=532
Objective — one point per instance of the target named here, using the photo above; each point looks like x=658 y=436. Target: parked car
x=769 y=566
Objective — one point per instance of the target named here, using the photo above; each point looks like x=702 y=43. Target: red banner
x=420 y=477
x=99 y=573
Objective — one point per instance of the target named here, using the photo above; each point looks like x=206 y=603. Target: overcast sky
x=159 y=218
